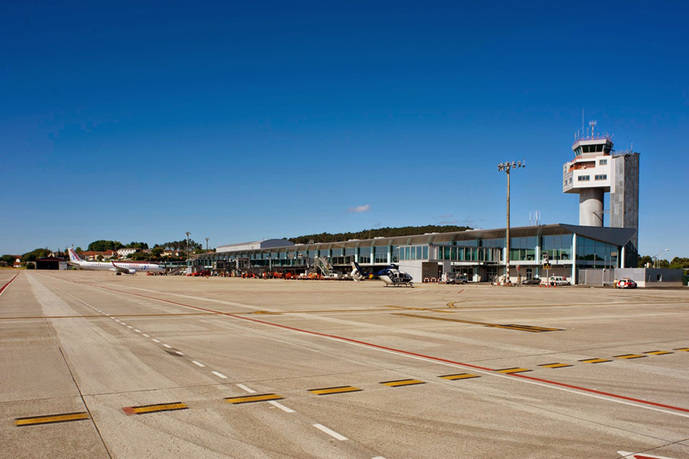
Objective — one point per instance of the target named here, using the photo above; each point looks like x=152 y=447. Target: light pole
x=655 y=261
x=506 y=167
x=188 y=234
x=207 y=244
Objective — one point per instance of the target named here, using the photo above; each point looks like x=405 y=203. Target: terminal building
x=481 y=254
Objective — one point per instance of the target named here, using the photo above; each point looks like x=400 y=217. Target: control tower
x=597 y=169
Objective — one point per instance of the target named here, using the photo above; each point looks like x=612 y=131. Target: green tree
x=35 y=254
x=679 y=263
x=377 y=232
x=137 y=245
x=645 y=259
x=102 y=245
x=139 y=256
x=9 y=259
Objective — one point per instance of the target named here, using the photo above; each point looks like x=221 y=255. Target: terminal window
x=601 y=177
x=584 y=178
x=603 y=162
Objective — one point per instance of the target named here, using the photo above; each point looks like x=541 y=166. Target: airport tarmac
x=98 y=365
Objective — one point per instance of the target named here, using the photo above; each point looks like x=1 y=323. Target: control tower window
x=584 y=178
x=603 y=162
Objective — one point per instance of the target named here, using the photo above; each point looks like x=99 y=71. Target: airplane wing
x=122 y=270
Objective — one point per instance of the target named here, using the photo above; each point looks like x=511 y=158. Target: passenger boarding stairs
x=323 y=265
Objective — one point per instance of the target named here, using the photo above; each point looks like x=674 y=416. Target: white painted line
x=137 y=330
x=178 y=353
x=281 y=406
x=147 y=335
x=167 y=346
x=155 y=340
x=198 y=364
x=219 y=375
x=378 y=457
x=130 y=327
x=243 y=387
x=330 y=432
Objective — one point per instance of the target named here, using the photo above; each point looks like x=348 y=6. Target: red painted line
x=401 y=351
x=2 y=289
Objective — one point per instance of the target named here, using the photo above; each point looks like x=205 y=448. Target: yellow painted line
x=685 y=349
x=144 y=409
x=596 y=360
x=460 y=376
x=629 y=356
x=402 y=382
x=334 y=390
x=513 y=370
x=51 y=418
x=253 y=398
x=554 y=365
x=658 y=352
x=451 y=304
x=266 y=312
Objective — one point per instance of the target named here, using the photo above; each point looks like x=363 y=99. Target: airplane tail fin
x=73 y=257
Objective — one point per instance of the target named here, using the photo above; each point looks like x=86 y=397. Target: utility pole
x=506 y=167
x=188 y=234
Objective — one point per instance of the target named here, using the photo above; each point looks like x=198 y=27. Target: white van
x=557 y=280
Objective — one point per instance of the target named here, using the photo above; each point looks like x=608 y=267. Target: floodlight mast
x=506 y=167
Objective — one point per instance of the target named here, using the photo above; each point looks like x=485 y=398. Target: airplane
x=118 y=267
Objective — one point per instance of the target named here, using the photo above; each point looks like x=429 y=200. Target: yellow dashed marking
x=253 y=398
x=266 y=312
x=144 y=409
x=334 y=390
x=596 y=360
x=513 y=370
x=50 y=419
x=658 y=352
x=402 y=382
x=460 y=376
x=554 y=365
x=685 y=349
x=629 y=356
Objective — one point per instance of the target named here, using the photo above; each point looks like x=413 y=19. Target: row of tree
x=377 y=232
x=675 y=263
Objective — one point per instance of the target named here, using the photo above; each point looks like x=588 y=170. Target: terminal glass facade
x=558 y=247
x=595 y=253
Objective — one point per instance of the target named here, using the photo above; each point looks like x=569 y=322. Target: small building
x=126 y=252
x=54 y=263
x=93 y=255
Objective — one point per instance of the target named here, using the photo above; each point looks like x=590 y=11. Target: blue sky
x=140 y=121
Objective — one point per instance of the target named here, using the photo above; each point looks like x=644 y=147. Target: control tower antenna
x=592 y=123
x=582 y=123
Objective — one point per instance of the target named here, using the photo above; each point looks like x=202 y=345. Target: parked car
x=557 y=280
x=625 y=283
x=532 y=281
x=456 y=279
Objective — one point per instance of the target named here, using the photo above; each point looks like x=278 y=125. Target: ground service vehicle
x=557 y=280
x=625 y=283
